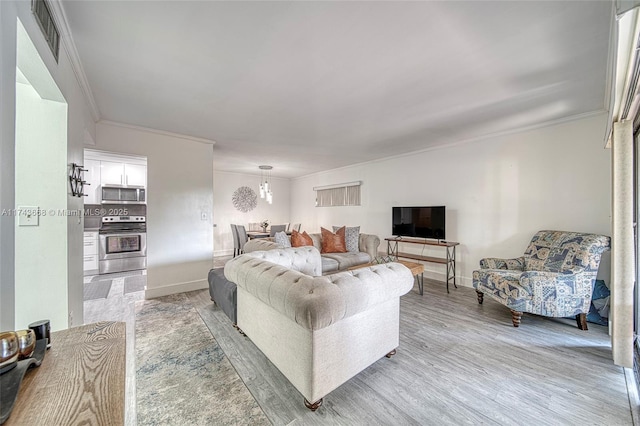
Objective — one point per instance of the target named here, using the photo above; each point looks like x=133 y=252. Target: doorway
x=41 y=187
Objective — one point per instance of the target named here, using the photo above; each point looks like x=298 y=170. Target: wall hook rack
x=76 y=180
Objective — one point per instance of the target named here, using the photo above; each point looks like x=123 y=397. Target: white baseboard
x=438 y=276
x=152 y=293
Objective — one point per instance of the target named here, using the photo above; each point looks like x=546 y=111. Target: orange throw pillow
x=333 y=243
x=300 y=240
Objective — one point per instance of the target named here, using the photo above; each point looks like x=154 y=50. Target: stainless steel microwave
x=121 y=194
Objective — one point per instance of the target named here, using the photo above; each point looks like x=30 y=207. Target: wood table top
x=81 y=379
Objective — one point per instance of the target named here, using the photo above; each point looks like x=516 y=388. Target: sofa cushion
x=283 y=239
x=333 y=243
x=300 y=239
x=302 y=259
x=260 y=244
x=348 y=259
x=329 y=265
x=351 y=237
x=318 y=302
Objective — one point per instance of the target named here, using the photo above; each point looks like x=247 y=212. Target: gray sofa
x=331 y=262
x=319 y=331
x=223 y=293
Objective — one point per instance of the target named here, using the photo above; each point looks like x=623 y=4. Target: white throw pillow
x=351 y=237
x=283 y=239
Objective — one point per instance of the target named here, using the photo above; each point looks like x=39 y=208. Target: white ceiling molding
x=158 y=132
x=60 y=17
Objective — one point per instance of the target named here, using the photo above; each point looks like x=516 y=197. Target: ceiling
x=311 y=86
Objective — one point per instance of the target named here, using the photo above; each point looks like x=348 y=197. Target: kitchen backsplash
x=93 y=213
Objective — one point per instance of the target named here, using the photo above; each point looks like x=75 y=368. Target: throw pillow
x=333 y=243
x=300 y=239
x=351 y=237
x=282 y=239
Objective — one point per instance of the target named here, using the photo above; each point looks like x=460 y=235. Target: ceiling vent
x=41 y=11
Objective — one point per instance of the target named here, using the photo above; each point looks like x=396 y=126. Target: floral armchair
x=554 y=278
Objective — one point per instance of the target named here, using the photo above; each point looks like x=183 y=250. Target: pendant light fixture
x=265 y=183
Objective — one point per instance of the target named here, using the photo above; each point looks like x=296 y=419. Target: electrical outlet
x=203 y=216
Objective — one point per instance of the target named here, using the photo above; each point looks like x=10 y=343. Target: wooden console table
x=81 y=379
x=449 y=260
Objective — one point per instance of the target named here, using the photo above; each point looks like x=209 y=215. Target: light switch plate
x=28 y=216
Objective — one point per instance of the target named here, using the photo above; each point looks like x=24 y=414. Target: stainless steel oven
x=123 y=244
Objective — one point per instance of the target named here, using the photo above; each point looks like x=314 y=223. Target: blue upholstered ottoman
x=223 y=293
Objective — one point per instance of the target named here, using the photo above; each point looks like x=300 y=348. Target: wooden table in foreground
x=417 y=270
x=81 y=379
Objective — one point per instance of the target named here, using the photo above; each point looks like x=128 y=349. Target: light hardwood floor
x=119 y=306
x=458 y=363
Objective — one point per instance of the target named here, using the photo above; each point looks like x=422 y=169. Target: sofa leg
x=480 y=296
x=516 y=317
x=392 y=353
x=581 y=319
x=314 y=406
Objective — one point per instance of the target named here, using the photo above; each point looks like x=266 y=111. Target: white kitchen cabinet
x=135 y=174
x=114 y=173
x=90 y=263
x=111 y=173
x=92 y=178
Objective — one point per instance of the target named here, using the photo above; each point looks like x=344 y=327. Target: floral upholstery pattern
x=554 y=278
x=516 y=264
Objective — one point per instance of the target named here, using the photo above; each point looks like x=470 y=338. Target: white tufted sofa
x=331 y=262
x=319 y=331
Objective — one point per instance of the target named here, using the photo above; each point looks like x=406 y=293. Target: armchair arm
x=369 y=243
x=516 y=264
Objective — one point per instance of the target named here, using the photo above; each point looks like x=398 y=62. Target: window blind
x=338 y=195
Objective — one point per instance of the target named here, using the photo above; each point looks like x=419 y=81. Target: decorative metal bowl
x=26 y=343
x=8 y=348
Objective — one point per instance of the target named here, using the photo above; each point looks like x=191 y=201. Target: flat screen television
x=420 y=222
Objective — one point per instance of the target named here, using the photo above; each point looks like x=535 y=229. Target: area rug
x=182 y=375
x=135 y=283
x=97 y=289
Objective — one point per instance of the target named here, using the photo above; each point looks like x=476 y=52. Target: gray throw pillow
x=282 y=239
x=351 y=237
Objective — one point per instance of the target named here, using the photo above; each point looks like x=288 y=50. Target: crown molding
x=516 y=130
x=158 y=132
x=60 y=17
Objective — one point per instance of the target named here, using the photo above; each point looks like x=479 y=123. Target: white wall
x=224 y=213
x=79 y=123
x=498 y=191
x=179 y=190
x=41 y=251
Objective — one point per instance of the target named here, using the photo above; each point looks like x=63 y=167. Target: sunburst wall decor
x=245 y=199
